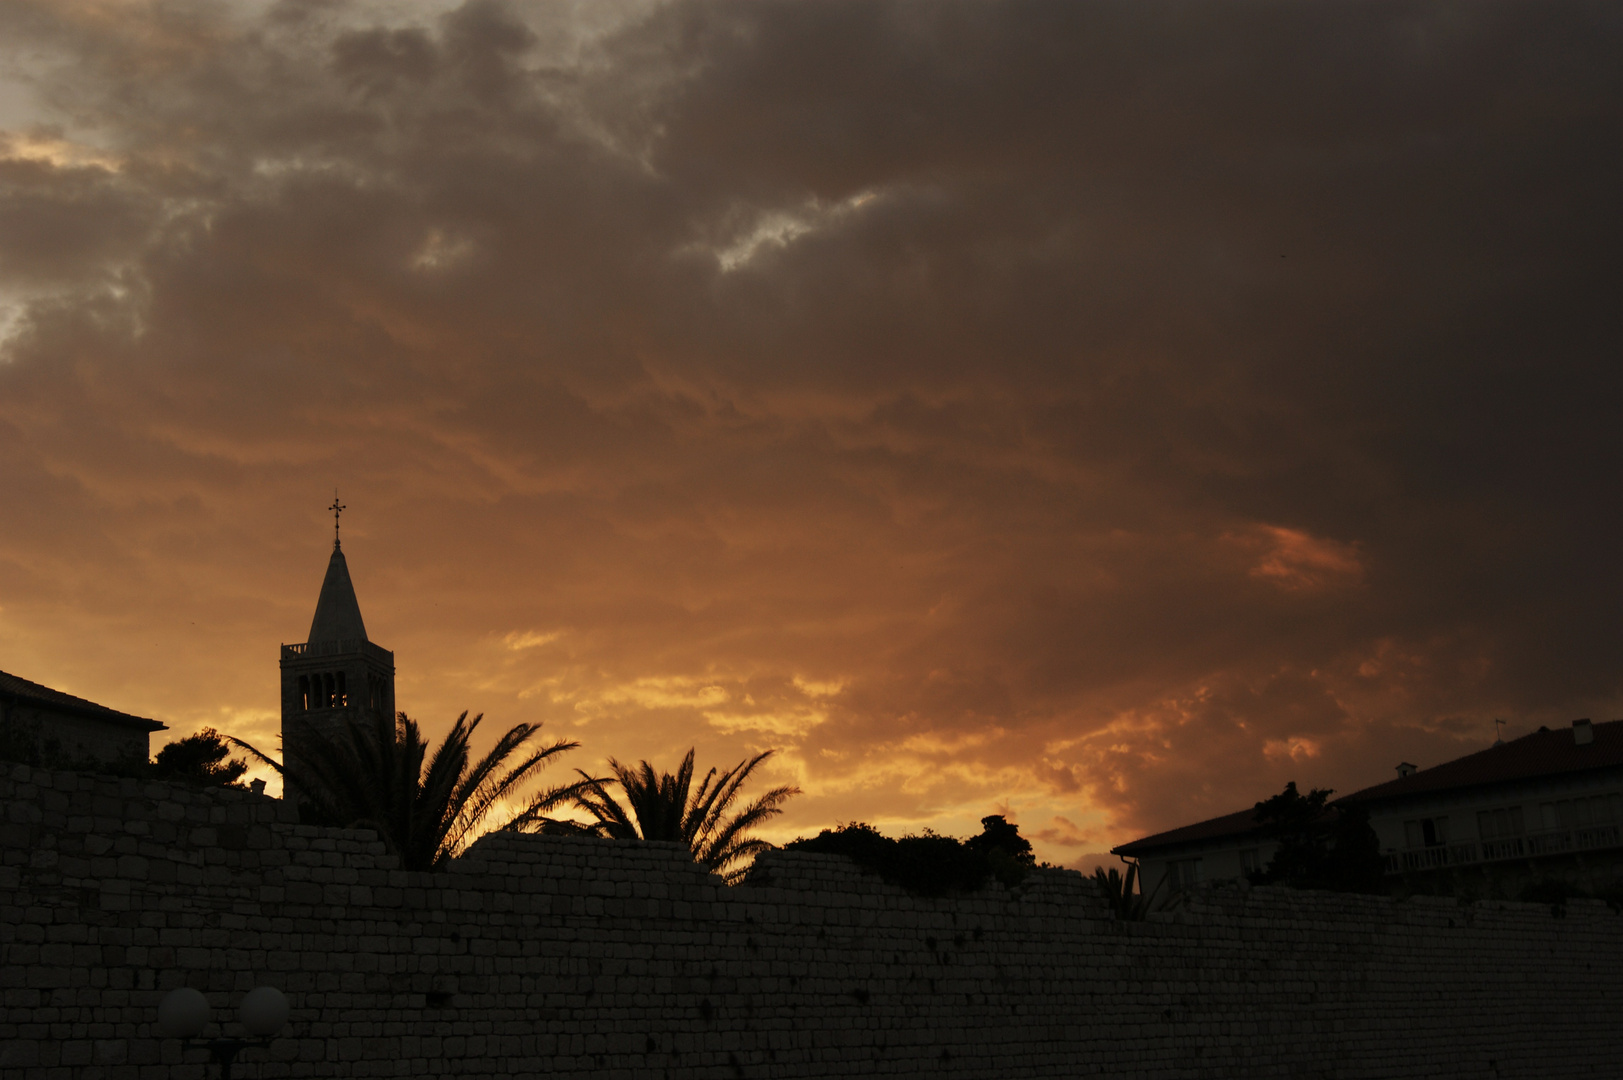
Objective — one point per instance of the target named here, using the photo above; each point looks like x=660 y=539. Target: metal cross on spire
x=336 y=508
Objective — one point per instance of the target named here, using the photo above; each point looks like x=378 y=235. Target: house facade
x=1546 y=805
x=56 y=729
x=1223 y=848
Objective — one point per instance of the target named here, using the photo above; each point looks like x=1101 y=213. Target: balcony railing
x=1432 y=858
x=1533 y=845
x=312 y=649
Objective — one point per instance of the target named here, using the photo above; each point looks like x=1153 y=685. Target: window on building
x=341 y=699
x=1581 y=813
x=1500 y=824
x=1182 y=873
x=1250 y=861
x=1426 y=832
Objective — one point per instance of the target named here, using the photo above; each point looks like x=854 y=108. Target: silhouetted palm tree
x=426 y=811
x=662 y=806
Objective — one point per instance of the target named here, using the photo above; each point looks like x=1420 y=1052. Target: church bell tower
x=336 y=678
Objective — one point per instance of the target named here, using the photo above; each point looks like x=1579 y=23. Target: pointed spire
x=338 y=613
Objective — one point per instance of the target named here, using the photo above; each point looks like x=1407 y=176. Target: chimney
x=1583 y=732
x=1405 y=769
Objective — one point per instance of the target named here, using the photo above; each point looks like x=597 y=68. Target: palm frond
x=664 y=806
x=496 y=786
x=612 y=820
x=730 y=845
x=722 y=796
x=535 y=813
x=258 y=755
x=427 y=803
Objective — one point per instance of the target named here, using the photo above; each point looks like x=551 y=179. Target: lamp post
x=183 y=1014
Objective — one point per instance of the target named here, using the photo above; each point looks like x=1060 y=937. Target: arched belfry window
x=342 y=700
x=304 y=692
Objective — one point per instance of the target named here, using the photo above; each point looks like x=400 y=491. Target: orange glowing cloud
x=991 y=408
x=1295 y=561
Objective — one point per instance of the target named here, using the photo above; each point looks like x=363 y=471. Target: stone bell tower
x=337 y=677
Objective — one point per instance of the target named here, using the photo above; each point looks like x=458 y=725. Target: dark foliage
x=203 y=758
x=426 y=803
x=1007 y=852
x=1320 y=846
x=1296 y=822
x=1121 y=892
x=930 y=864
x=664 y=806
x=1354 y=861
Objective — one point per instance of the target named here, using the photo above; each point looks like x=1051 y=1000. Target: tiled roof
x=1543 y=753
x=1238 y=823
x=21 y=690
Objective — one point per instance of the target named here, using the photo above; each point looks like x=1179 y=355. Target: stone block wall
x=565 y=957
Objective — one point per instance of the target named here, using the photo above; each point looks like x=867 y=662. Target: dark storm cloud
x=1110 y=409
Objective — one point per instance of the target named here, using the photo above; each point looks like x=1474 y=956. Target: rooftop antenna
x=1498 y=725
x=336 y=508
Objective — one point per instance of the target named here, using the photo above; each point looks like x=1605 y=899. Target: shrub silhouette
x=929 y=864
x=203 y=758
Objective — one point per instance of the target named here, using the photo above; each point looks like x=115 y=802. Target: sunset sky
x=1094 y=412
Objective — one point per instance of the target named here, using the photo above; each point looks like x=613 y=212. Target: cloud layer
x=1099 y=413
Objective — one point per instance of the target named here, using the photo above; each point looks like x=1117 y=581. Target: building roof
x=1238 y=823
x=1542 y=753
x=18 y=690
x=338 y=613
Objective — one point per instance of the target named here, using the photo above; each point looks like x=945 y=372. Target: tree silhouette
x=1321 y=845
x=930 y=864
x=203 y=758
x=1297 y=824
x=663 y=806
x=1008 y=854
x=426 y=807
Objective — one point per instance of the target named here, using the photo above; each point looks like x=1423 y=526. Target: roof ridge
x=27 y=689
x=1544 y=752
